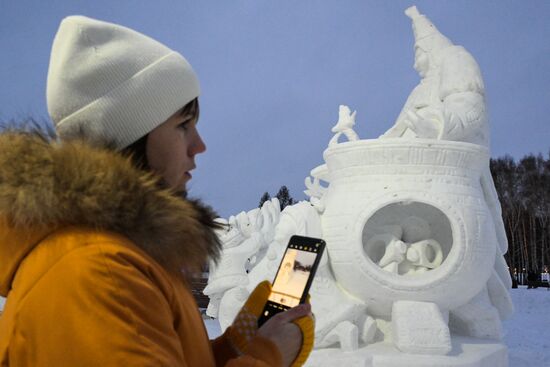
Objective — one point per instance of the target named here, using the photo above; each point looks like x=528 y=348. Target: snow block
x=419 y=328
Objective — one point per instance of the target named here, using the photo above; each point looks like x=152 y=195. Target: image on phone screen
x=292 y=277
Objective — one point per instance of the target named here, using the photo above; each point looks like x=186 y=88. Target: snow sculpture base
x=466 y=352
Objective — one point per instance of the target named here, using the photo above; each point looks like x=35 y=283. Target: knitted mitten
x=245 y=325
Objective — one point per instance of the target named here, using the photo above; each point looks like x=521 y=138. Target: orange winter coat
x=88 y=248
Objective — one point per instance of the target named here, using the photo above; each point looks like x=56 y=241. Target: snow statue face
x=421 y=61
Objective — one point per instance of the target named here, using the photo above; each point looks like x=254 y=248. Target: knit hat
x=110 y=83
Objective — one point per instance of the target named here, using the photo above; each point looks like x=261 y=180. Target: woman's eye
x=184 y=125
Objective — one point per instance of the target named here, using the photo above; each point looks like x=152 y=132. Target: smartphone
x=294 y=276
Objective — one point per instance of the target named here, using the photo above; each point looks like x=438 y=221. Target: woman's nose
x=198 y=145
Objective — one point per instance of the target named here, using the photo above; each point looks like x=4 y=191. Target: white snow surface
x=527 y=331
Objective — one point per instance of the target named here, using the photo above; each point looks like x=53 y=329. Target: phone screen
x=293 y=275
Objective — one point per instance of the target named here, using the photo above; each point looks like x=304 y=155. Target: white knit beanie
x=112 y=83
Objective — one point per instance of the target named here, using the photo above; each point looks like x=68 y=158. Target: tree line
x=285 y=199
x=524 y=191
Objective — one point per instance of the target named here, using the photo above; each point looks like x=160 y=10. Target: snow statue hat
x=108 y=82
x=426 y=35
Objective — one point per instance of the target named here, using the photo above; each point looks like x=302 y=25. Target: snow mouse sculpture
x=414 y=272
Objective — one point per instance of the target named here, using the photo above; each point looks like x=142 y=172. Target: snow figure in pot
x=414 y=272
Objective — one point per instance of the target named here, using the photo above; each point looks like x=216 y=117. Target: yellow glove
x=245 y=325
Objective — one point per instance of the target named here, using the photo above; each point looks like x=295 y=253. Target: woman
x=96 y=246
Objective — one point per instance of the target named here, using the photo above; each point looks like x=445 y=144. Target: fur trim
x=52 y=184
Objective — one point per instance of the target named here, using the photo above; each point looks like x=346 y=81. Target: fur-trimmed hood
x=47 y=185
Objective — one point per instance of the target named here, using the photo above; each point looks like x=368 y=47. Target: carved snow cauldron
x=415 y=192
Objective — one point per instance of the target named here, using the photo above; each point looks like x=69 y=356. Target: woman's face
x=171 y=149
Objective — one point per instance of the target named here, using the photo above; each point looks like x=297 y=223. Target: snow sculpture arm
x=461 y=91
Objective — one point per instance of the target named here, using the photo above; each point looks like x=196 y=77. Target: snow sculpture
x=414 y=272
x=448 y=104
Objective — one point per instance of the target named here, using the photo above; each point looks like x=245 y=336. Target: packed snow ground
x=527 y=332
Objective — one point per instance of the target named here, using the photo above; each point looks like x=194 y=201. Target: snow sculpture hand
x=426 y=123
x=314 y=188
x=229 y=235
x=245 y=224
x=315 y=191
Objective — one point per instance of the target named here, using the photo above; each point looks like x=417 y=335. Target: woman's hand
x=284 y=333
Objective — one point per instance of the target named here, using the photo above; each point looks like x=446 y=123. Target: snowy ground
x=527 y=332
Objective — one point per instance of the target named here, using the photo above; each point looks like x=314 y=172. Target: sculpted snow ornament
x=414 y=272
x=346 y=121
